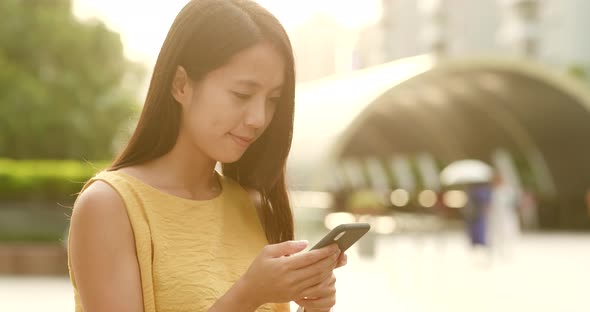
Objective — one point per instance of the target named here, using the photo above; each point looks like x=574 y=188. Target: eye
x=242 y=96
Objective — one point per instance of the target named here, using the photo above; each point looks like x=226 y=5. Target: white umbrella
x=466 y=171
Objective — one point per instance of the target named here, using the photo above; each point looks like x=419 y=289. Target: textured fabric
x=190 y=252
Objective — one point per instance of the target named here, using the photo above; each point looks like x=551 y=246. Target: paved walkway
x=547 y=273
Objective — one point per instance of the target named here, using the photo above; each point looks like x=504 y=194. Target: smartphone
x=345 y=235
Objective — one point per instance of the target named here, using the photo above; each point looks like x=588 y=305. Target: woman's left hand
x=324 y=294
x=322 y=297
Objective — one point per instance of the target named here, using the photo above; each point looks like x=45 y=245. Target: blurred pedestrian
x=476 y=216
x=503 y=215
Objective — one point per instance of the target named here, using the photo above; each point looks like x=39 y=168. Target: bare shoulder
x=102 y=250
x=99 y=201
x=99 y=214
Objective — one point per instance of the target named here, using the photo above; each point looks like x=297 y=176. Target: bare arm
x=102 y=251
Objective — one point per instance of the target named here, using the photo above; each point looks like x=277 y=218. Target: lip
x=242 y=141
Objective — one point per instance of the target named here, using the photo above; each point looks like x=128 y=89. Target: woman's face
x=226 y=111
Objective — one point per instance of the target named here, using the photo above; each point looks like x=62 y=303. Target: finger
x=324 y=289
x=316 y=272
x=308 y=258
x=321 y=292
x=342 y=260
x=314 y=281
x=321 y=304
x=285 y=248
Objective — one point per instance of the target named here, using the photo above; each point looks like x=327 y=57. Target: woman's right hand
x=278 y=275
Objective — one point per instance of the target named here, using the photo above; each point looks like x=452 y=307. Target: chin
x=228 y=158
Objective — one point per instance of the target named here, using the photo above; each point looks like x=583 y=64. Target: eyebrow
x=253 y=83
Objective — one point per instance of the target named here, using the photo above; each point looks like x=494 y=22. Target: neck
x=186 y=168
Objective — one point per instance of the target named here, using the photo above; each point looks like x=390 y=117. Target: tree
x=578 y=71
x=66 y=89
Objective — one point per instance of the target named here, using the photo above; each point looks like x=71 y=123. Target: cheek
x=212 y=119
x=270 y=115
x=202 y=124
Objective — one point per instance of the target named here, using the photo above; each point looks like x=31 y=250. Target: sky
x=143 y=24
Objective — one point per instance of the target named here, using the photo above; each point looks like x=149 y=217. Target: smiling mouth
x=242 y=141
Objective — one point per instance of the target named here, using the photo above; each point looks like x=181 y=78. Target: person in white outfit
x=504 y=224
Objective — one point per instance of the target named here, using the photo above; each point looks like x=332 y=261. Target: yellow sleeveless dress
x=190 y=252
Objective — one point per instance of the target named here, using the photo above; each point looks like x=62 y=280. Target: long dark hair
x=204 y=35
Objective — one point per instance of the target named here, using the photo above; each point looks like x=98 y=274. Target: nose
x=256 y=114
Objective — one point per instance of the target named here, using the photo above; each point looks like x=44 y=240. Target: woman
x=161 y=230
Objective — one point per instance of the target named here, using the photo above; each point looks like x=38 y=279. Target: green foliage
x=36 y=197
x=43 y=180
x=66 y=89
x=578 y=71
x=33 y=221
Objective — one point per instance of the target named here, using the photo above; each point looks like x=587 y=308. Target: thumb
x=286 y=248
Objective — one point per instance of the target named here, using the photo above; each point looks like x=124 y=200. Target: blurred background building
x=546 y=30
x=504 y=55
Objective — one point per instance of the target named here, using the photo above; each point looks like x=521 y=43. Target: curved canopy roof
x=449 y=110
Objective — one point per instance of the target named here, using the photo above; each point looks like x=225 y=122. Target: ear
x=181 y=87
